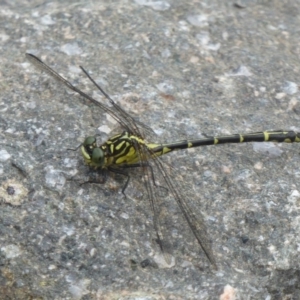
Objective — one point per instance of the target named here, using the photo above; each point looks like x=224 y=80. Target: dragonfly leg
x=119 y=171
x=75 y=149
x=140 y=165
x=91 y=179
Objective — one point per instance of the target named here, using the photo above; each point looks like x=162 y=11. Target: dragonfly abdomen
x=264 y=136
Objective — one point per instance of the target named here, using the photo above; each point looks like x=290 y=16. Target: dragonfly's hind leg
x=119 y=171
x=147 y=165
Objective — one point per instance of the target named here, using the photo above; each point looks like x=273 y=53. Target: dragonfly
x=132 y=149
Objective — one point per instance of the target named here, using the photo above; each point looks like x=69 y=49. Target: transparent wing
x=193 y=218
x=119 y=114
x=138 y=128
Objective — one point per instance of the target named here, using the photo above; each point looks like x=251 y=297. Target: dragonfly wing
x=153 y=168
x=194 y=218
x=118 y=113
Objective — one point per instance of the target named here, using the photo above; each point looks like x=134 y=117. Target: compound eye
x=89 y=141
x=98 y=157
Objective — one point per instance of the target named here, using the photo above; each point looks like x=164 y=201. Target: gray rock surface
x=188 y=69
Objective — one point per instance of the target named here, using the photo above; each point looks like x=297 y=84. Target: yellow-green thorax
x=121 y=149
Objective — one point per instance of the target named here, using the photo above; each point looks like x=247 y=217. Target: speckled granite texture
x=188 y=69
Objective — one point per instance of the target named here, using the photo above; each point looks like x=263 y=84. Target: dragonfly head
x=92 y=154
